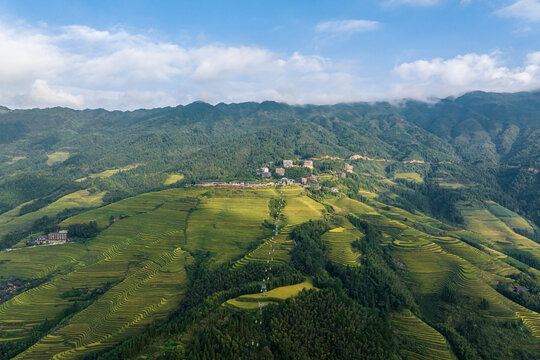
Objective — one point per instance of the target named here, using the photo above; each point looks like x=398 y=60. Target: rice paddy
x=300 y=208
x=510 y=218
x=432 y=344
x=11 y=221
x=275 y=249
x=250 y=302
x=226 y=226
x=108 y=173
x=140 y=255
x=496 y=232
x=339 y=242
x=411 y=176
x=173 y=179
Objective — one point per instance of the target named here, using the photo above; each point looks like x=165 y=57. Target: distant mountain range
x=490 y=139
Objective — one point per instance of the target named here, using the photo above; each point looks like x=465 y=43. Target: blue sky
x=132 y=54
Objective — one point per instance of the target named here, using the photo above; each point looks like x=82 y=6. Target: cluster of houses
x=54 y=238
x=310 y=181
x=265 y=172
x=9 y=288
x=228 y=183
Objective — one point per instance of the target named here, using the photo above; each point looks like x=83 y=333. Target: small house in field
x=311 y=178
x=348 y=168
x=280 y=171
x=315 y=186
x=285 y=181
x=266 y=175
x=287 y=163
x=40 y=240
x=342 y=174
x=334 y=189
x=308 y=164
x=58 y=236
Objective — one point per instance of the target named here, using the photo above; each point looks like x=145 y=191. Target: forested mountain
x=484 y=138
x=415 y=235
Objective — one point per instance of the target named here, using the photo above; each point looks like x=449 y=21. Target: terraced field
x=495 y=231
x=227 y=225
x=411 y=176
x=250 y=302
x=142 y=253
x=510 y=218
x=339 y=241
x=22 y=263
x=11 y=221
x=433 y=344
x=433 y=262
x=108 y=173
x=172 y=179
x=274 y=249
x=144 y=263
x=300 y=208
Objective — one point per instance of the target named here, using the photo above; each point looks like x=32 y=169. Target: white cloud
x=443 y=77
x=79 y=66
x=43 y=95
x=528 y=10
x=411 y=2
x=347 y=26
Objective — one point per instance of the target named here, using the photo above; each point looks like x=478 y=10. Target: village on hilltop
x=289 y=172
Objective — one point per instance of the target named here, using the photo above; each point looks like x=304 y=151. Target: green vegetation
x=433 y=258
x=109 y=173
x=420 y=341
x=57 y=157
x=173 y=179
x=339 y=240
x=250 y=302
x=411 y=176
x=15 y=226
x=144 y=262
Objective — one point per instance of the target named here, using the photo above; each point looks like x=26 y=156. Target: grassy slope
x=140 y=254
x=435 y=261
x=172 y=179
x=57 y=157
x=339 y=241
x=496 y=233
x=228 y=223
x=299 y=208
x=250 y=301
x=10 y=221
x=433 y=344
x=107 y=173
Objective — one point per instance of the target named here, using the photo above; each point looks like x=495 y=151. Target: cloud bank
x=81 y=67
x=442 y=77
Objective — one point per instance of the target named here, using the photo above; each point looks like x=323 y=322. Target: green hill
x=428 y=247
